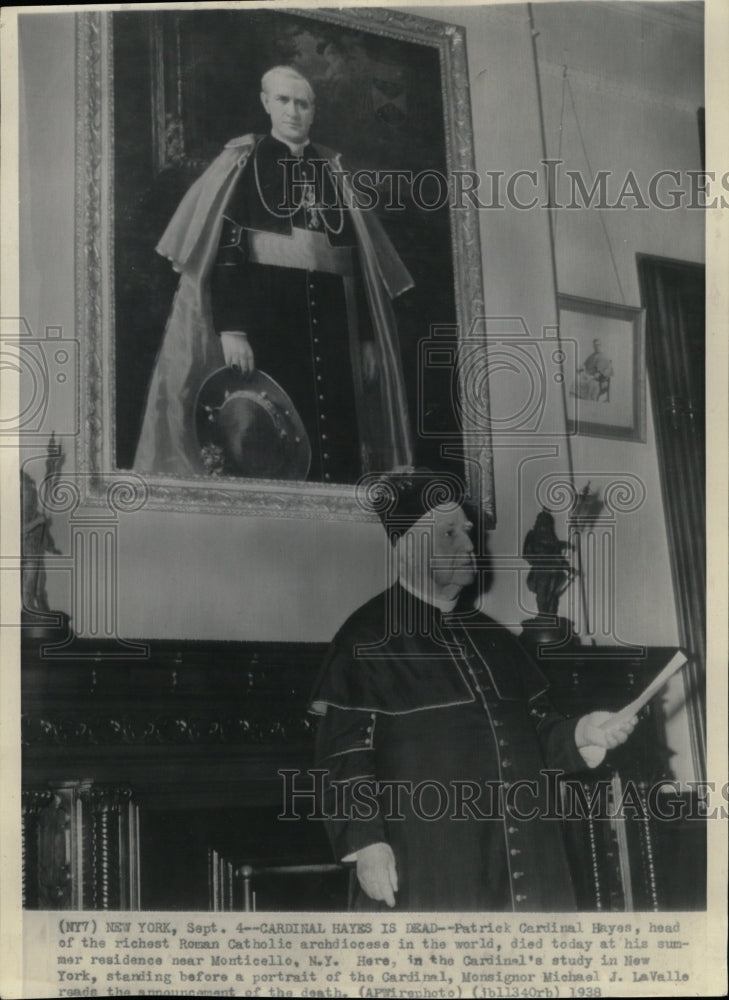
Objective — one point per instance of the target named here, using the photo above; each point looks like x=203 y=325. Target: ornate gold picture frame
x=145 y=129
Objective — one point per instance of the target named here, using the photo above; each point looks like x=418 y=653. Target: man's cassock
x=410 y=694
x=306 y=325
x=253 y=257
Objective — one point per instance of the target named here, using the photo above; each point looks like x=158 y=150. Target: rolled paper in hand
x=674 y=664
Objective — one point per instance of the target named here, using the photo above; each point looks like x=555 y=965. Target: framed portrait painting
x=606 y=395
x=356 y=287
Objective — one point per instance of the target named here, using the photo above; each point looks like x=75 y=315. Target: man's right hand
x=237 y=352
x=377 y=872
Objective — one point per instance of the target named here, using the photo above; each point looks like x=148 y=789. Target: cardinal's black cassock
x=450 y=706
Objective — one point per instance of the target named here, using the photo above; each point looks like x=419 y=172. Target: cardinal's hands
x=597 y=730
x=377 y=872
x=237 y=352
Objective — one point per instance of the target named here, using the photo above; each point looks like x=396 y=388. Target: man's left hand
x=596 y=730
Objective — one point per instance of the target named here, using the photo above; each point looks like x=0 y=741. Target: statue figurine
x=36 y=541
x=549 y=576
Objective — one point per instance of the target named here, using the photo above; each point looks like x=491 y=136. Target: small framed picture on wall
x=606 y=395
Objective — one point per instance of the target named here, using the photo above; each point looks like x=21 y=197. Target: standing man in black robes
x=281 y=271
x=421 y=694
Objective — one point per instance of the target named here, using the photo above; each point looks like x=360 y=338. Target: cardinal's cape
x=191 y=350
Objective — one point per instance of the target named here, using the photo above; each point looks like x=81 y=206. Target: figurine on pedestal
x=37 y=619
x=549 y=576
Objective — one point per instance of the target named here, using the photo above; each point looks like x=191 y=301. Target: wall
x=637 y=83
x=637 y=80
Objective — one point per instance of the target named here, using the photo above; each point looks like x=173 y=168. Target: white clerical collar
x=437 y=602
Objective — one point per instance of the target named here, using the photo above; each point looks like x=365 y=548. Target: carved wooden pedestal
x=80 y=847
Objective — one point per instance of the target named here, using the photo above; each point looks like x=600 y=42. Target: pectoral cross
x=313 y=212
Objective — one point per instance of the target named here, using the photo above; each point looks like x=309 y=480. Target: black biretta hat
x=401 y=498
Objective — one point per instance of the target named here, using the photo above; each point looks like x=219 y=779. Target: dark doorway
x=673 y=293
